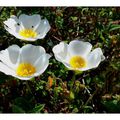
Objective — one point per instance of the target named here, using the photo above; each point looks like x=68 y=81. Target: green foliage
x=113 y=27
x=59 y=90
x=38 y=108
x=17 y=109
x=113 y=105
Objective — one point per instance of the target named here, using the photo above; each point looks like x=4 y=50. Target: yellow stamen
x=77 y=62
x=27 y=33
x=25 y=70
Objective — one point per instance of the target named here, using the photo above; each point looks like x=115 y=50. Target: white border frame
x=59 y=2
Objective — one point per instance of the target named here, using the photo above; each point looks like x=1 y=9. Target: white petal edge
x=43 y=28
x=12 y=23
x=5 y=69
x=12 y=32
x=61 y=52
x=10 y=56
x=41 y=64
x=23 y=78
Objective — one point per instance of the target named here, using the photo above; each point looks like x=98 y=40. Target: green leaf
x=113 y=27
x=87 y=109
x=72 y=96
x=75 y=110
x=78 y=72
x=74 y=18
x=38 y=108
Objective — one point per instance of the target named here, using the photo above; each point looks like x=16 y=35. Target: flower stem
x=73 y=80
x=90 y=95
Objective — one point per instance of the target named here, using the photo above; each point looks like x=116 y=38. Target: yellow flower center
x=25 y=70
x=27 y=33
x=77 y=62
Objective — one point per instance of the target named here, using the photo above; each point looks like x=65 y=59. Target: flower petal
x=68 y=65
x=43 y=28
x=61 y=51
x=12 y=23
x=30 y=53
x=94 y=58
x=30 y=22
x=41 y=64
x=5 y=69
x=24 y=78
x=79 y=48
x=10 y=56
x=12 y=32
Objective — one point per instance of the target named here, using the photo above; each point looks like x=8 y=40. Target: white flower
x=78 y=55
x=29 y=28
x=24 y=63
